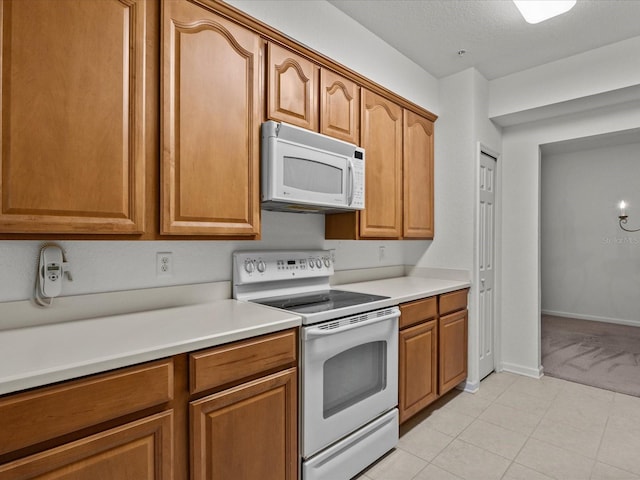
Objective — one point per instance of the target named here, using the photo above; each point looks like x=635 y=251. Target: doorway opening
x=589 y=267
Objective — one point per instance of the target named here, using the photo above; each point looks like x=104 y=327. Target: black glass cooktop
x=320 y=301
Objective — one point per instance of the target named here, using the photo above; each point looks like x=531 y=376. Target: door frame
x=475 y=296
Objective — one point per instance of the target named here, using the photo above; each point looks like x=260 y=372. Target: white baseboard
x=593 y=318
x=522 y=370
x=469 y=387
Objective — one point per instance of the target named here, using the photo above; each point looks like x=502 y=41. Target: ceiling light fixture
x=623 y=218
x=536 y=11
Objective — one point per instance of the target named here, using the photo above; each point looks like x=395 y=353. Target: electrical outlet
x=164 y=264
x=381 y=252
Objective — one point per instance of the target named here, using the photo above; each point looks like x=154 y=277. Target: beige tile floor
x=519 y=428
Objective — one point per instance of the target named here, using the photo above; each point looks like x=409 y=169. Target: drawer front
x=454 y=301
x=229 y=363
x=140 y=450
x=418 y=311
x=46 y=413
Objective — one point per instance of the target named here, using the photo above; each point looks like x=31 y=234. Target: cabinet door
x=418 y=176
x=247 y=432
x=293 y=88
x=382 y=141
x=140 y=450
x=339 y=107
x=73 y=132
x=453 y=350
x=211 y=124
x=418 y=368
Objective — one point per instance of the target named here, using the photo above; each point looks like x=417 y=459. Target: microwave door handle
x=351 y=182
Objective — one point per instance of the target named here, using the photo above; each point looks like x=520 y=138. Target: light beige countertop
x=39 y=355
x=43 y=354
x=405 y=289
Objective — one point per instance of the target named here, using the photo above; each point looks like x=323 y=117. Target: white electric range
x=348 y=358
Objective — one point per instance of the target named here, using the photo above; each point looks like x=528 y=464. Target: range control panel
x=268 y=266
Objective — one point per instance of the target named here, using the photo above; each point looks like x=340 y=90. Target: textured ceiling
x=495 y=36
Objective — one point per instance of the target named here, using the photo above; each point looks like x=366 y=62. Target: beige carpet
x=603 y=355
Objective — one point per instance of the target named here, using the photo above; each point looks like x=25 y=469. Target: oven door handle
x=344 y=325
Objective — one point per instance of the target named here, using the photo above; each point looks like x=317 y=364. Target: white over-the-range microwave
x=307 y=172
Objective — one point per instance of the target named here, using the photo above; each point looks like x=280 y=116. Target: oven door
x=349 y=376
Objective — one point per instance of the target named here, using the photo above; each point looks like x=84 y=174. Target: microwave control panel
x=357 y=201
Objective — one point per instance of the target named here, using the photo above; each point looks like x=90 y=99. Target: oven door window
x=354 y=375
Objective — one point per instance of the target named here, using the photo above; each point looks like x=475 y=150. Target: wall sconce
x=623 y=218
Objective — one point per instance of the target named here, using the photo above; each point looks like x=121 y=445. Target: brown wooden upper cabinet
x=399 y=175
x=418 y=176
x=382 y=141
x=301 y=93
x=211 y=124
x=73 y=130
x=292 y=95
x=381 y=137
x=339 y=107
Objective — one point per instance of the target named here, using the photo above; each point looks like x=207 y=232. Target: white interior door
x=486 y=307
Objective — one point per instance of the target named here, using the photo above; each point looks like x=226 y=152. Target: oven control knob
x=261 y=266
x=249 y=266
x=311 y=264
x=327 y=262
x=318 y=263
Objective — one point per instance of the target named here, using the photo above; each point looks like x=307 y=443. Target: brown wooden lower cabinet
x=247 y=432
x=140 y=450
x=234 y=404
x=418 y=381
x=453 y=350
x=432 y=350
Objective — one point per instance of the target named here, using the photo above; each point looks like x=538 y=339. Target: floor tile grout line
x=618 y=468
x=604 y=432
x=604 y=405
x=530 y=436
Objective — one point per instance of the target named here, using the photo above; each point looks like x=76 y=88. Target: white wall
x=463 y=124
x=590 y=268
x=602 y=70
x=322 y=27
x=104 y=266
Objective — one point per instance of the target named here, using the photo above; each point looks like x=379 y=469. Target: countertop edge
x=41 y=378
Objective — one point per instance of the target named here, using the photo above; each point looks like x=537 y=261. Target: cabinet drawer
x=222 y=365
x=140 y=450
x=418 y=311
x=453 y=301
x=35 y=416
